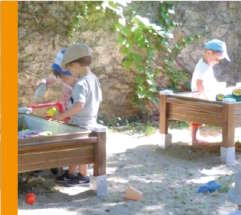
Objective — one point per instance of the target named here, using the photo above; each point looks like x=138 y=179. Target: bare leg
x=194 y=130
x=83 y=169
x=72 y=169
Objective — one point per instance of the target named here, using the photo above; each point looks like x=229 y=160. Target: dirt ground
x=169 y=180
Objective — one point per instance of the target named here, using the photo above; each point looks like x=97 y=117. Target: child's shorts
x=195 y=125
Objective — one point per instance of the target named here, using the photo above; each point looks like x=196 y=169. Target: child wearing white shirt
x=203 y=79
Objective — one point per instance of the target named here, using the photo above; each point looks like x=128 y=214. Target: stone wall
x=44 y=29
x=221 y=20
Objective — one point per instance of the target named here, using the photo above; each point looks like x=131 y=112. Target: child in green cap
x=85 y=101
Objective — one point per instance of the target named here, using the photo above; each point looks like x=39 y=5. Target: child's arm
x=200 y=86
x=49 y=81
x=40 y=93
x=76 y=108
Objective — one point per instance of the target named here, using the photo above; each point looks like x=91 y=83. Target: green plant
x=146 y=128
x=88 y=15
x=148 y=51
x=173 y=124
x=178 y=78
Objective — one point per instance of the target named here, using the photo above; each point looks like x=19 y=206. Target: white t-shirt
x=86 y=90
x=203 y=72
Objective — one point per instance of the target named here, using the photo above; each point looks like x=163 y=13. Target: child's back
x=87 y=90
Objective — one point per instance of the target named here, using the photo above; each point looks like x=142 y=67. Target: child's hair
x=83 y=61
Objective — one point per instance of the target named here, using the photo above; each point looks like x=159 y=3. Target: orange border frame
x=9 y=102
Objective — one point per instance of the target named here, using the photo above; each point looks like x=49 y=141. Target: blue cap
x=218 y=46
x=56 y=66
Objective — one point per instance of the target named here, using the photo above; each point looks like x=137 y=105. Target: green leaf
x=150 y=82
x=127 y=63
x=124 y=50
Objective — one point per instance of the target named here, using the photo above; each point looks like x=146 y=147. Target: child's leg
x=72 y=169
x=194 y=129
x=71 y=177
x=83 y=169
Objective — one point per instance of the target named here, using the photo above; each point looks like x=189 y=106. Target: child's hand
x=42 y=81
x=58 y=117
x=51 y=80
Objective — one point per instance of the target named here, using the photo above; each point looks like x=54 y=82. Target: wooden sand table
x=188 y=107
x=66 y=146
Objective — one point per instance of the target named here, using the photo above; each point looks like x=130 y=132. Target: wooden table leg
x=100 y=165
x=100 y=155
x=165 y=137
x=228 y=136
x=228 y=132
x=163 y=117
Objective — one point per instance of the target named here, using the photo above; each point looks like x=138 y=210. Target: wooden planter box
x=68 y=145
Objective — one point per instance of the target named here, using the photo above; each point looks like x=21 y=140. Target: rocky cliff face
x=219 y=20
x=44 y=28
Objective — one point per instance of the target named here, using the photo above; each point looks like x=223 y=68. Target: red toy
x=30 y=198
x=58 y=105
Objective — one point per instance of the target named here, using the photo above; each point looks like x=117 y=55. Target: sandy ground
x=169 y=180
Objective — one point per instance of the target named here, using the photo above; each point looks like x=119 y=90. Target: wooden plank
x=187 y=112
x=197 y=118
x=190 y=110
x=100 y=155
x=54 y=148
x=56 y=138
x=163 y=114
x=33 y=141
x=26 y=167
x=197 y=109
x=194 y=115
x=195 y=104
x=237 y=110
x=56 y=144
x=57 y=154
x=189 y=98
x=237 y=114
x=238 y=122
x=228 y=128
x=172 y=108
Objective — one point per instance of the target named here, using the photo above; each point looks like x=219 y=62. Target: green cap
x=75 y=52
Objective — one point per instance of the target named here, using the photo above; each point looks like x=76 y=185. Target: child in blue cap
x=203 y=79
x=58 y=72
